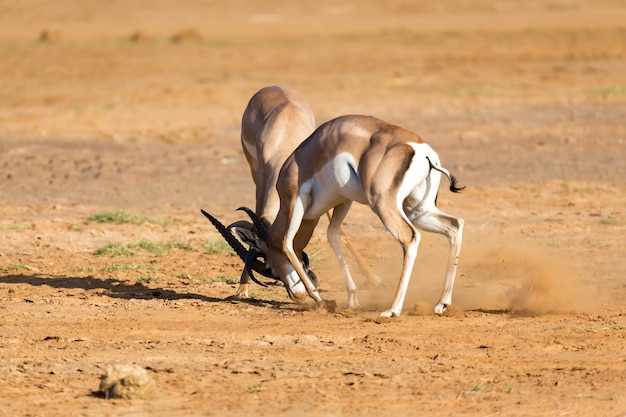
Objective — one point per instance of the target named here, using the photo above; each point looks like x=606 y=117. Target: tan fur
x=393 y=169
x=275 y=122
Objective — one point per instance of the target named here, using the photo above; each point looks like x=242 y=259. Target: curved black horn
x=244 y=224
x=251 y=260
x=260 y=226
x=249 y=257
x=228 y=236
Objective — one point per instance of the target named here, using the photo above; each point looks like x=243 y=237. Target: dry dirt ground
x=133 y=106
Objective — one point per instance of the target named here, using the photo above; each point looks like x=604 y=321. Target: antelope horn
x=262 y=231
x=258 y=223
x=244 y=224
x=305 y=260
x=227 y=235
x=251 y=262
x=252 y=255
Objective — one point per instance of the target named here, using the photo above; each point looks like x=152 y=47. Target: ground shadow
x=508 y=312
x=119 y=289
x=491 y=311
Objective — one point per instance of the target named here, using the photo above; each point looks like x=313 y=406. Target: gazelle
x=362 y=159
x=273 y=124
x=275 y=121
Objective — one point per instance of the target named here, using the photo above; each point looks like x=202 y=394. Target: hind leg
x=408 y=237
x=372 y=280
x=436 y=221
x=334 y=239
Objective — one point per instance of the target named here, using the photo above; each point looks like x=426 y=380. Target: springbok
x=275 y=121
x=362 y=159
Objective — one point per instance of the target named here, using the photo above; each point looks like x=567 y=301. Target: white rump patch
x=413 y=186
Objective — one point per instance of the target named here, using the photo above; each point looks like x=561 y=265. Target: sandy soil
x=134 y=106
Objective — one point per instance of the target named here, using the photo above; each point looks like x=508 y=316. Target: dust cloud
x=524 y=279
x=515 y=278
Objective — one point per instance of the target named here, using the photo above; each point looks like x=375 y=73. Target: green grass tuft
x=17 y=226
x=146 y=278
x=609 y=221
x=124 y=217
x=186 y=246
x=119 y=217
x=610 y=91
x=508 y=388
x=254 y=387
x=218 y=246
x=228 y=279
x=115 y=249
x=130 y=249
x=152 y=247
x=479 y=388
x=120 y=267
x=15 y=267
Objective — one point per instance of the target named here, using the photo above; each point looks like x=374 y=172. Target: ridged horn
x=305 y=260
x=227 y=235
x=251 y=261
x=251 y=257
x=262 y=231
x=243 y=224
x=258 y=223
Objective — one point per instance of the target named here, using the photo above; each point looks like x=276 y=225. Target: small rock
x=127 y=381
x=50 y=36
x=188 y=35
x=139 y=36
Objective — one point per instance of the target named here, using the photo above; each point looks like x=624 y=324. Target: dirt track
x=134 y=106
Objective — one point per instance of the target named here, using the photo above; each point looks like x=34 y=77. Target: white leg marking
x=439 y=222
x=303 y=284
x=407 y=269
x=334 y=239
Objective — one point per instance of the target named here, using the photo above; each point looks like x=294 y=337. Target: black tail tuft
x=453 y=187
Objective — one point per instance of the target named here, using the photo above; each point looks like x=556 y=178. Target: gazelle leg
x=410 y=253
x=365 y=270
x=242 y=290
x=399 y=226
x=371 y=278
x=339 y=214
x=297 y=217
x=451 y=227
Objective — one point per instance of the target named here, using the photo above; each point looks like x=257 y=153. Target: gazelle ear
x=248 y=237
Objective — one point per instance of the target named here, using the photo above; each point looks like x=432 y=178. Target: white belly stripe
x=335 y=183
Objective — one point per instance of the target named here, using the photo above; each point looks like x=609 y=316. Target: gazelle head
x=259 y=258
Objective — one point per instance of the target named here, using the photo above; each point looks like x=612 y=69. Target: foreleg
x=295 y=222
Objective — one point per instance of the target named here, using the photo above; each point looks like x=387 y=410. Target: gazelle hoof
x=389 y=313
x=353 y=302
x=441 y=308
x=242 y=292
